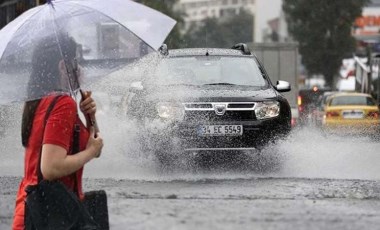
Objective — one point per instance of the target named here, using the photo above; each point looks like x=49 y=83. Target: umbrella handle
x=89 y=118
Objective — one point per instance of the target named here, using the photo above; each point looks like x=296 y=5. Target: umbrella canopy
x=66 y=43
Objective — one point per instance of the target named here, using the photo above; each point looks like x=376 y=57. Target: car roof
x=206 y=52
x=351 y=94
x=329 y=93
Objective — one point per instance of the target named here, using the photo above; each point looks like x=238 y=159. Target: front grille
x=219 y=111
x=241 y=106
x=211 y=116
x=198 y=106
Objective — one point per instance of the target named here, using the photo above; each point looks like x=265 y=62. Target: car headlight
x=170 y=111
x=267 y=109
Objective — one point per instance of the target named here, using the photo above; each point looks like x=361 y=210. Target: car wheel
x=375 y=137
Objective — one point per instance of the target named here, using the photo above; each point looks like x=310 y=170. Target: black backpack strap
x=76 y=149
x=76 y=138
x=50 y=108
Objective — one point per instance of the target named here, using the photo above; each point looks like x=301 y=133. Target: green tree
x=174 y=39
x=323 y=30
x=239 y=28
x=219 y=33
x=209 y=34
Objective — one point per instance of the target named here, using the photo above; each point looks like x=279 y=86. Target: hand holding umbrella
x=88 y=107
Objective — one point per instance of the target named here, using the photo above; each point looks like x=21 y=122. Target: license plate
x=354 y=114
x=220 y=130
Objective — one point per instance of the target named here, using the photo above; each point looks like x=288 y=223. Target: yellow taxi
x=356 y=113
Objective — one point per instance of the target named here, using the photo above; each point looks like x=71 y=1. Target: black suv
x=205 y=100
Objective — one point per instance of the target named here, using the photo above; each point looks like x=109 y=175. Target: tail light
x=293 y=122
x=299 y=100
x=332 y=114
x=299 y=103
x=374 y=115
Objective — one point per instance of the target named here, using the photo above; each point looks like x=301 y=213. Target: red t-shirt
x=58 y=131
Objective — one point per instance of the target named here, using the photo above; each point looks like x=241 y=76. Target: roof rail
x=163 y=50
x=243 y=47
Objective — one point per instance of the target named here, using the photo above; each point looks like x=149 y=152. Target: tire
x=375 y=137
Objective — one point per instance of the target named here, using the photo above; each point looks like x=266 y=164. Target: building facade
x=270 y=24
x=367 y=27
x=276 y=30
x=10 y=9
x=195 y=11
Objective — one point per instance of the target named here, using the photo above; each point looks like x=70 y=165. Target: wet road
x=239 y=203
x=321 y=183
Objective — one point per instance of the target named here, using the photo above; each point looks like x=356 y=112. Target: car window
x=352 y=100
x=208 y=70
x=325 y=97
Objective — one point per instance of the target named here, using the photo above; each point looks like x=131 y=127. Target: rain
x=308 y=179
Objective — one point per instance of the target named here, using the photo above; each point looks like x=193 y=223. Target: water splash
x=306 y=153
x=311 y=154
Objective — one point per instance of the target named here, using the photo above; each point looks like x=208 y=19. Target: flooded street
x=319 y=182
x=189 y=97
x=263 y=203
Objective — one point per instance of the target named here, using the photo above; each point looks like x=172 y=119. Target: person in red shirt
x=54 y=141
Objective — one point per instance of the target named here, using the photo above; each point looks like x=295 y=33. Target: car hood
x=208 y=93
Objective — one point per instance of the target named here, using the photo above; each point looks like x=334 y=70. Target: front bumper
x=184 y=136
x=352 y=126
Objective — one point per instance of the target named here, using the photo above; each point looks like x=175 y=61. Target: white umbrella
x=108 y=35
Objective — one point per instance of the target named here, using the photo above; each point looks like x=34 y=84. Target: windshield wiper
x=220 y=83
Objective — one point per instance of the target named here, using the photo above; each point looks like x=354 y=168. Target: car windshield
x=208 y=71
x=352 y=100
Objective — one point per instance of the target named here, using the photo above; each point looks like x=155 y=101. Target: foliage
x=220 y=33
x=323 y=30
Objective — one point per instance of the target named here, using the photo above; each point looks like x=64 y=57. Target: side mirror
x=283 y=86
x=136 y=86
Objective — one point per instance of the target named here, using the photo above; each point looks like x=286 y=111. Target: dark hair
x=27 y=120
x=45 y=76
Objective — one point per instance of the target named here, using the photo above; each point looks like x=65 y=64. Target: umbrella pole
x=90 y=119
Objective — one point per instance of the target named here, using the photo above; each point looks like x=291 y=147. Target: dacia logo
x=220 y=109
